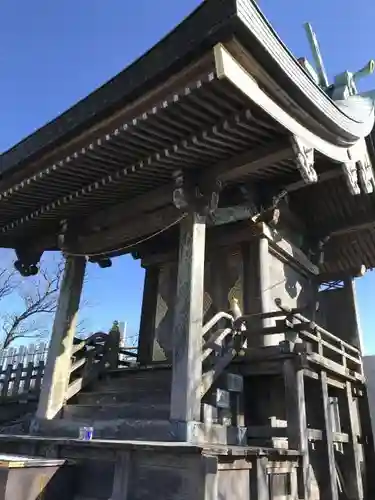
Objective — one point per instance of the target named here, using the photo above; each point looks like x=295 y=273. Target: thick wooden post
x=57 y=371
x=147 y=327
x=257 y=297
x=187 y=331
x=297 y=423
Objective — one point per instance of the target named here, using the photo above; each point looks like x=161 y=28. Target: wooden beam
x=239 y=165
x=188 y=322
x=57 y=371
x=250 y=162
x=333 y=491
x=134 y=229
x=128 y=209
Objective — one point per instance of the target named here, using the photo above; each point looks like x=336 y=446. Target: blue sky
x=54 y=53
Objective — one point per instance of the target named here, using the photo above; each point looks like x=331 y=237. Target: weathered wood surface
x=188 y=323
x=57 y=371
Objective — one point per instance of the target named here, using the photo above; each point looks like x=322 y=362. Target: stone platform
x=145 y=470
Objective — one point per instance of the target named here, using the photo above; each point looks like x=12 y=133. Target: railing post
x=188 y=319
x=57 y=371
x=113 y=347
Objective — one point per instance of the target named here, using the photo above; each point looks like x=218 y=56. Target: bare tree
x=7 y=281
x=35 y=302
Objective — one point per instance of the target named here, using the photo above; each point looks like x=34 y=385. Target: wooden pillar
x=297 y=423
x=188 y=318
x=148 y=314
x=357 y=339
x=121 y=476
x=256 y=284
x=262 y=479
x=333 y=490
x=57 y=371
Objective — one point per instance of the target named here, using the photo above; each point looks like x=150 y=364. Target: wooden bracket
x=190 y=195
x=305 y=159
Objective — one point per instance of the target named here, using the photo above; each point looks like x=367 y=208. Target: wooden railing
x=21 y=374
x=220 y=347
x=322 y=347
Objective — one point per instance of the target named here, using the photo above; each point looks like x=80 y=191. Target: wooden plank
x=17 y=379
x=330 y=381
x=356 y=486
x=334 y=367
x=188 y=321
x=6 y=380
x=297 y=430
x=28 y=377
x=39 y=376
x=147 y=326
x=333 y=491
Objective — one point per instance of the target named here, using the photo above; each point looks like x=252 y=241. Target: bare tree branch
x=7 y=282
x=38 y=298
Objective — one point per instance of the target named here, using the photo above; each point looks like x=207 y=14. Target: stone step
x=126 y=395
x=123 y=429
x=141 y=430
x=135 y=380
x=116 y=411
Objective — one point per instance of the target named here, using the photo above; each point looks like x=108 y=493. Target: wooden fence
x=24 y=354
x=22 y=370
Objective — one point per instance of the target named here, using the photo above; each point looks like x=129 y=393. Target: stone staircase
x=131 y=404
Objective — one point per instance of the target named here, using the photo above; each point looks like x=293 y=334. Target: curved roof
x=210 y=23
x=220 y=94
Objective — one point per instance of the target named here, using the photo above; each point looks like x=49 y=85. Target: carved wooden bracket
x=358 y=170
x=305 y=159
x=351 y=176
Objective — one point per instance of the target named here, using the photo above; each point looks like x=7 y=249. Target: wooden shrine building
x=245 y=188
